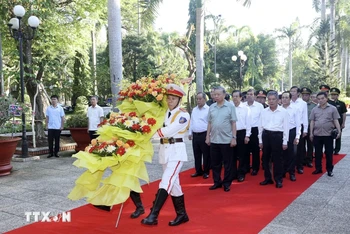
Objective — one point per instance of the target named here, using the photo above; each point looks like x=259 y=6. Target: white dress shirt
x=294 y=120
x=277 y=120
x=302 y=112
x=199 y=120
x=255 y=111
x=243 y=118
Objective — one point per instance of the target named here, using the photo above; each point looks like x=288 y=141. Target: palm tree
x=289 y=33
x=199 y=44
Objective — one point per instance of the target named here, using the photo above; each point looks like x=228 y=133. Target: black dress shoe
x=317 y=172
x=292 y=177
x=226 y=188
x=57 y=156
x=254 y=173
x=330 y=173
x=300 y=171
x=240 y=179
x=266 y=182
x=279 y=185
x=309 y=165
x=50 y=156
x=196 y=174
x=215 y=186
x=336 y=153
x=205 y=176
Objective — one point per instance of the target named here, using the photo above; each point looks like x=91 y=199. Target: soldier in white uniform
x=172 y=155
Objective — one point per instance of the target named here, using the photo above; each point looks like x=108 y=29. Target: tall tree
x=199 y=44
x=289 y=33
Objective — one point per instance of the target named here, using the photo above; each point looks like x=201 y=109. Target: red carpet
x=247 y=208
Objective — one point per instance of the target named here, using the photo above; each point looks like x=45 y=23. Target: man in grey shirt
x=324 y=118
x=221 y=136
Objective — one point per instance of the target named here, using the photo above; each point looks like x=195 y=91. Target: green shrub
x=77 y=121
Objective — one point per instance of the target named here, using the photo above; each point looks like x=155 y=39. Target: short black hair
x=54 y=96
x=237 y=91
x=290 y=95
x=322 y=93
x=295 y=87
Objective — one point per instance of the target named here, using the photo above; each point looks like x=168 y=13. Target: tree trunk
x=31 y=86
x=346 y=67
x=199 y=45
x=290 y=63
x=1 y=75
x=115 y=47
x=332 y=41
x=93 y=40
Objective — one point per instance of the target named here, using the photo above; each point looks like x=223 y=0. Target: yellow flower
x=93 y=142
x=126 y=146
x=154 y=93
x=87 y=148
x=159 y=97
x=119 y=143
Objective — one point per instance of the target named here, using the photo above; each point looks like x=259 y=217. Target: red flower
x=151 y=121
x=146 y=129
x=111 y=121
x=132 y=114
x=131 y=143
x=102 y=123
x=135 y=126
x=103 y=145
x=92 y=149
x=121 y=151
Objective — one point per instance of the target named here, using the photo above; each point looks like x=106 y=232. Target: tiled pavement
x=43 y=185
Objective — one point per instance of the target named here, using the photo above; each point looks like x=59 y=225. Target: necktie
x=169 y=115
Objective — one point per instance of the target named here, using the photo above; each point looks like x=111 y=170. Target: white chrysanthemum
x=128 y=123
x=111 y=148
x=135 y=119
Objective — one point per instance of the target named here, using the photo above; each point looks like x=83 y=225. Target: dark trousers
x=338 y=141
x=290 y=153
x=240 y=156
x=273 y=152
x=221 y=153
x=253 y=147
x=327 y=142
x=93 y=135
x=310 y=149
x=54 y=135
x=301 y=151
x=201 y=150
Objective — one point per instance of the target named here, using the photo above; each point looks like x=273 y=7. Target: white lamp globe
x=234 y=58
x=14 y=22
x=19 y=11
x=244 y=57
x=240 y=53
x=33 y=21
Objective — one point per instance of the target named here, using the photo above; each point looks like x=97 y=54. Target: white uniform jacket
x=175 y=126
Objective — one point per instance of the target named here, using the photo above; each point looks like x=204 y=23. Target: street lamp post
x=242 y=60
x=16 y=32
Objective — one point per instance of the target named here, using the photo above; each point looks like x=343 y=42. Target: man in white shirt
x=294 y=134
x=301 y=107
x=243 y=134
x=253 y=145
x=273 y=138
x=95 y=115
x=54 y=125
x=197 y=133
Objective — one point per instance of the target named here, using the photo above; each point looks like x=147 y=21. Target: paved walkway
x=43 y=185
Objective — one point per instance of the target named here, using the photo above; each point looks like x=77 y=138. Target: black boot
x=136 y=198
x=181 y=215
x=101 y=207
x=158 y=203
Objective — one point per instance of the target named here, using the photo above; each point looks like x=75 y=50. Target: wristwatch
x=234 y=137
